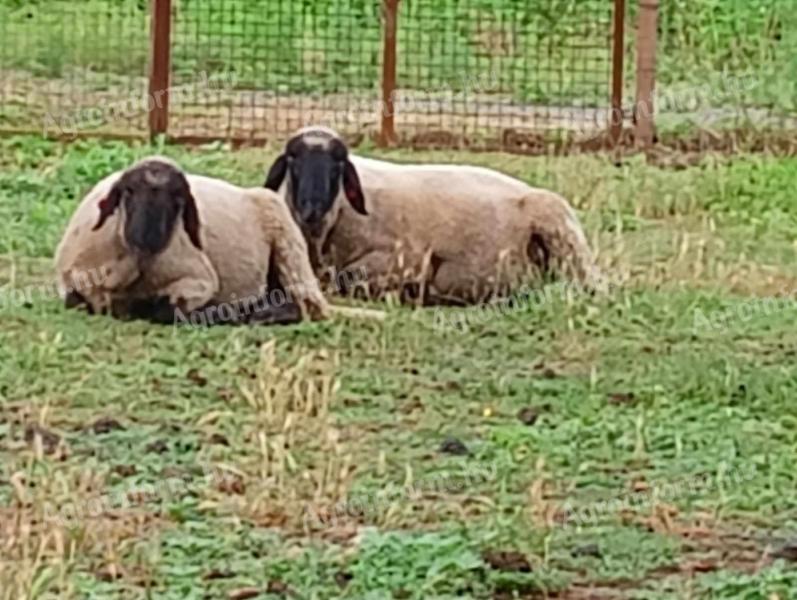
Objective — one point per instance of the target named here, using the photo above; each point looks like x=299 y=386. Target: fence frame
x=160 y=50
x=618 y=55
x=160 y=66
x=387 y=133
x=646 y=42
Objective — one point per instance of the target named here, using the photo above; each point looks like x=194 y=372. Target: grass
x=551 y=52
x=653 y=459
x=322 y=46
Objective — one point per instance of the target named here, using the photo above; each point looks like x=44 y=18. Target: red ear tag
x=105 y=211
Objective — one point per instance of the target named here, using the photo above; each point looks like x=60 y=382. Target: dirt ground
x=81 y=106
x=202 y=111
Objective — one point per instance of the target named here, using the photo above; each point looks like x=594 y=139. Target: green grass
x=550 y=51
x=676 y=441
x=324 y=46
x=736 y=54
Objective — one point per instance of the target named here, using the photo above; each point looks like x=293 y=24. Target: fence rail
x=472 y=73
x=518 y=75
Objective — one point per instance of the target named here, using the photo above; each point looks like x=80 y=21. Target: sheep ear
x=352 y=188
x=108 y=206
x=191 y=220
x=277 y=173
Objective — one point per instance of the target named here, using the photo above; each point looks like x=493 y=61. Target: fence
x=727 y=65
x=509 y=74
x=446 y=72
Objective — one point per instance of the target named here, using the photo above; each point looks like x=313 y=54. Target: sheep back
x=480 y=222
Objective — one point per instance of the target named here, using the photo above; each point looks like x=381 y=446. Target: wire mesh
x=475 y=70
x=259 y=69
x=470 y=72
x=468 y=69
x=727 y=65
x=71 y=68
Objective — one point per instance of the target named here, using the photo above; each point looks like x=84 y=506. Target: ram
x=439 y=233
x=154 y=242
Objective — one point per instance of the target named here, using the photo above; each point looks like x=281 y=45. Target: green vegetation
x=667 y=440
x=549 y=51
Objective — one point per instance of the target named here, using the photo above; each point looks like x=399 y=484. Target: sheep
x=233 y=244
x=437 y=234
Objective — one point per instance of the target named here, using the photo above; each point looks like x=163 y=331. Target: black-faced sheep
x=171 y=245
x=444 y=233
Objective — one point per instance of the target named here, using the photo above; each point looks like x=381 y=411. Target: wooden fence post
x=159 y=65
x=618 y=53
x=387 y=134
x=646 y=73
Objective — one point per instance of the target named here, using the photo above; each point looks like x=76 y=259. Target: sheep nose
x=311 y=216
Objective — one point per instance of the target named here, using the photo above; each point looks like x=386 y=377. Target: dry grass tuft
x=55 y=524
x=295 y=462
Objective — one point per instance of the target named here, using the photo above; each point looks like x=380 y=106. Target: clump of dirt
x=49 y=440
x=106 y=425
x=125 y=470
x=279 y=588
x=529 y=415
x=196 y=377
x=454 y=446
x=157 y=447
x=590 y=550
x=215 y=574
x=621 y=398
x=788 y=551
x=507 y=560
x=218 y=439
x=342 y=578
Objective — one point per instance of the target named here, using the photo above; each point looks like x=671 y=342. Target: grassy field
x=639 y=445
x=547 y=52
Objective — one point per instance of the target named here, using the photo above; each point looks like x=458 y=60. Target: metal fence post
x=159 y=65
x=618 y=53
x=645 y=73
x=387 y=134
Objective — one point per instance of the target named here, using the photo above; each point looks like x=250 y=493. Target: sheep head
x=314 y=167
x=153 y=194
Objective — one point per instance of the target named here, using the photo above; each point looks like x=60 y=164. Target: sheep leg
x=97 y=295
x=158 y=310
x=162 y=311
x=184 y=300
x=455 y=284
x=94 y=302
x=75 y=299
x=276 y=315
x=297 y=278
x=259 y=313
x=377 y=271
x=97 y=301
x=189 y=293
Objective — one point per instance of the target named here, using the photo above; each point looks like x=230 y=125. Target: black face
x=152 y=212
x=316 y=173
x=315 y=183
x=152 y=196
